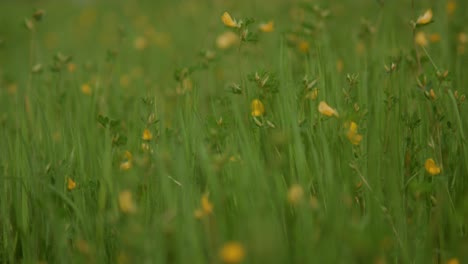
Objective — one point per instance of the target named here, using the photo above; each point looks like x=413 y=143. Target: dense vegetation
x=233 y=131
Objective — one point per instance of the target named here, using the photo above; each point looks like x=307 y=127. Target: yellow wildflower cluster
x=206 y=207
x=232 y=252
x=431 y=167
x=352 y=134
x=326 y=110
x=126 y=203
x=257 y=107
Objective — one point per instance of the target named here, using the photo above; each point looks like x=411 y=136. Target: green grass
x=373 y=202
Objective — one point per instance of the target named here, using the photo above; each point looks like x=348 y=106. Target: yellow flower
x=267 y=27
x=228 y=20
x=303 y=46
x=126 y=165
x=295 y=194
x=147 y=135
x=126 y=202
x=462 y=38
x=431 y=167
x=425 y=19
x=257 y=108
x=227 y=40
x=71 y=184
x=128 y=155
x=86 y=89
x=352 y=134
x=206 y=205
x=140 y=43
x=453 y=261
x=420 y=39
x=434 y=37
x=71 y=67
x=432 y=94
x=198 y=214
x=325 y=109
x=451 y=6
x=232 y=252
x=312 y=94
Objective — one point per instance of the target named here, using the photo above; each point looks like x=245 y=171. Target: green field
x=277 y=132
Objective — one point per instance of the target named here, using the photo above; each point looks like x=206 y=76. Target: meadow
x=218 y=131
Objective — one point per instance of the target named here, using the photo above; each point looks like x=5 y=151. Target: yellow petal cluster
x=420 y=39
x=232 y=253
x=228 y=20
x=257 y=107
x=431 y=167
x=147 y=136
x=126 y=203
x=267 y=27
x=86 y=89
x=425 y=18
x=206 y=207
x=295 y=194
x=227 y=39
x=326 y=110
x=352 y=134
x=127 y=163
x=71 y=184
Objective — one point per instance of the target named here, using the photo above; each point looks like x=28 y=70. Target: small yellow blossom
x=147 y=136
x=71 y=67
x=257 y=108
x=325 y=109
x=420 y=39
x=431 y=167
x=451 y=7
x=126 y=202
x=303 y=46
x=462 y=38
x=126 y=165
x=227 y=40
x=453 y=261
x=434 y=37
x=228 y=20
x=352 y=134
x=232 y=253
x=198 y=214
x=295 y=194
x=432 y=94
x=140 y=43
x=71 y=184
x=312 y=94
x=86 y=89
x=267 y=27
x=128 y=155
x=425 y=19
x=206 y=205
